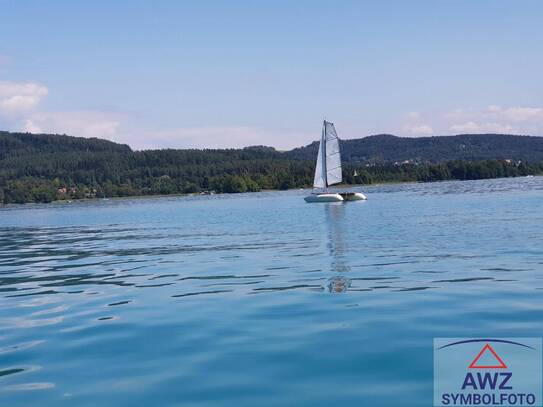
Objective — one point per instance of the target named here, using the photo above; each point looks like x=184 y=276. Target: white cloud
x=217 y=137
x=18 y=101
x=415 y=125
x=472 y=127
x=85 y=123
x=522 y=114
x=495 y=119
x=499 y=114
x=18 y=111
x=493 y=108
x=31 y=127
x=214 y=136
x=18 y=97
x=418 y=129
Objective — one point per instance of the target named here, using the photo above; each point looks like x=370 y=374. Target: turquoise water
x=262 y=299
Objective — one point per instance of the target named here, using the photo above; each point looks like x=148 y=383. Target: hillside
x=12 y=144
x=387 y=148
x=45 y=167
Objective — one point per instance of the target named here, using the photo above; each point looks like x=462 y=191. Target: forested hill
x=385 y=148
x=42 y=168
x=12 y=144
x=382 y=148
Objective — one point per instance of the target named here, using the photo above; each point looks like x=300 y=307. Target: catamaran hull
x=353 y=196
x=323 y=198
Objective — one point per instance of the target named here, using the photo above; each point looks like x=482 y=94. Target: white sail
x=328 y=170
x=333 y=156
x=320 y=170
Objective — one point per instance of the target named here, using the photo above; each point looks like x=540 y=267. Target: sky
x=219 y=74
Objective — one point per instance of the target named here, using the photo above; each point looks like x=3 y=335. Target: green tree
x=234 y=184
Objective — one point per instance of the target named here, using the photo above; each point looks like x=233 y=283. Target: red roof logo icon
x=488 y=353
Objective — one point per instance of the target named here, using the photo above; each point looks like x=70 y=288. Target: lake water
x=262 y=299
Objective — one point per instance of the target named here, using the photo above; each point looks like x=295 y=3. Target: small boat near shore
x=328 y=170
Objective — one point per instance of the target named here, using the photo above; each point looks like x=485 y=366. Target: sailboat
x=328 y=170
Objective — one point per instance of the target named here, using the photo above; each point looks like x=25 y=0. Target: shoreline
x=159 y=196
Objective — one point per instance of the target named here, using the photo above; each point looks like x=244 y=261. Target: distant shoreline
x=159 y=196
x=46 y=168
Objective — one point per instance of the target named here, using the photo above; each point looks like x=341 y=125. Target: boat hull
x=314 y=198
x=353 y=196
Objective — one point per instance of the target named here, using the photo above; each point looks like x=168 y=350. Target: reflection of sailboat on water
x=336 y=246
x=328 y=169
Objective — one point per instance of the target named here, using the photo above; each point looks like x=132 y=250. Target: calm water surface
x=262 y=299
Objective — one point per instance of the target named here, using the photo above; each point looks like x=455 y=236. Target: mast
x=323 y=143
x=326 y=166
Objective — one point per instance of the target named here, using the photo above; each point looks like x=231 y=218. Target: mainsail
x=328 y=169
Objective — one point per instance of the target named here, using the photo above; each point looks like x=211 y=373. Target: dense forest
x=385 y=148
x=43 y=168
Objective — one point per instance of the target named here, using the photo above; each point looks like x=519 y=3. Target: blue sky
x=234 y=73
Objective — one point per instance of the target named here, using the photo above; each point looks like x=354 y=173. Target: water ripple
x=152 y=301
